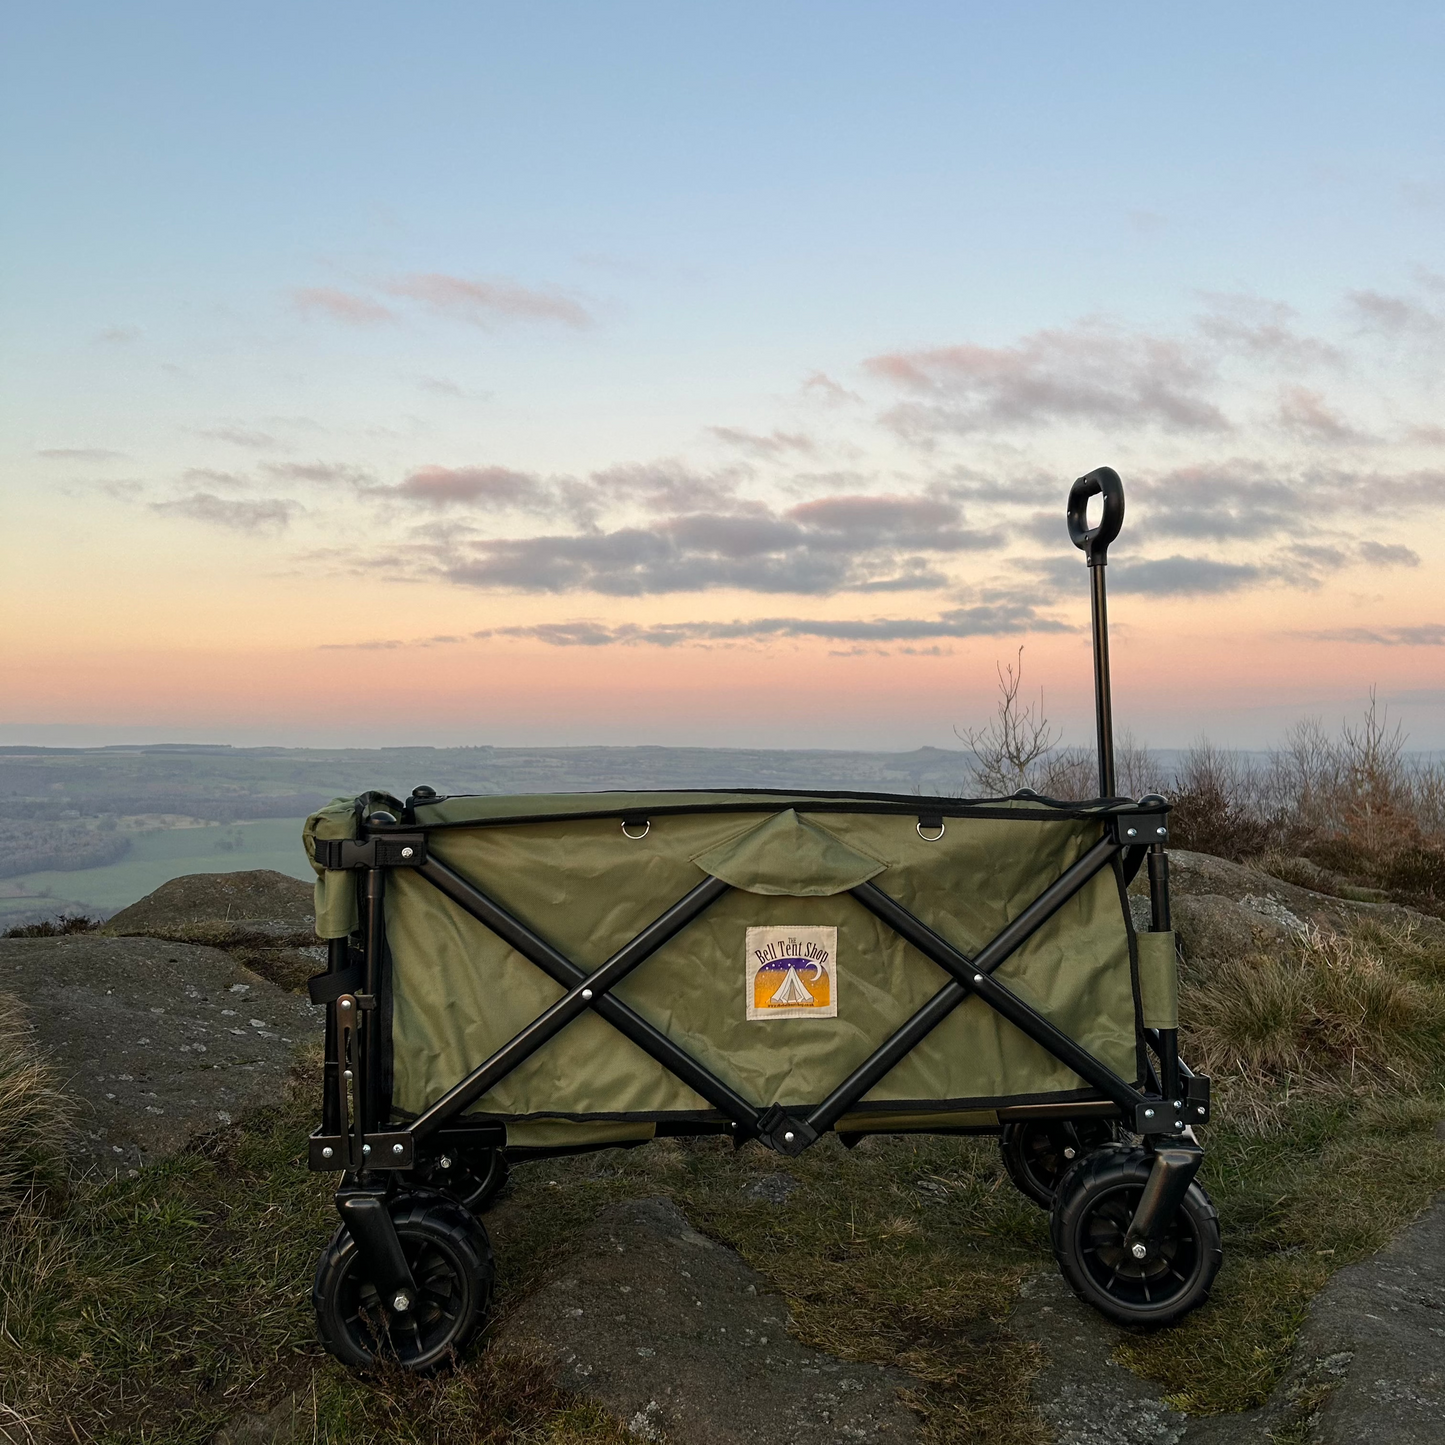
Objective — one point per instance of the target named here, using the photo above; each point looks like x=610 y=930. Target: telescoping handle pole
x=1094 y=543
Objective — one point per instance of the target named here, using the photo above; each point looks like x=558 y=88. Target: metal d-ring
x=925 y=836
x=637 y=837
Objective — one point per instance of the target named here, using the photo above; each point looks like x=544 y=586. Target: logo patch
x=792 y=973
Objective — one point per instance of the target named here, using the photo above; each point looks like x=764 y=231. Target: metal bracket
x=1196 y=1099
x=1159 y=1116
x=1135 y=830
x=394 y=1150
x=394 y=850
x=784 y=1132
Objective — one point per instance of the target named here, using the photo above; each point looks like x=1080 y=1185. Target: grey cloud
x=1304 y=414
x=324 y=473
x=1179 y=576
x=1431 y=634
x=1252 y=326
x=820 y=384
x=775 y=444
x=1381 y=554
x=982 y=620
x=664 y=486
x=485 y=487
x=1090 y=373
x=239 y=436
x=1395 y=315
x=265 y=514
x=79 y=454
x=207 y=477
x=829 y=545
x=484 y=303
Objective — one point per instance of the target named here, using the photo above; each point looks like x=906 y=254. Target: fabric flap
x=787 y=857
x=1158 y=981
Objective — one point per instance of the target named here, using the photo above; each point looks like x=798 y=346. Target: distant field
x=156 y=857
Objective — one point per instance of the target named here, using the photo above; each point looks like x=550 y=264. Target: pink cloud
x=339 y=306
x=484 y=302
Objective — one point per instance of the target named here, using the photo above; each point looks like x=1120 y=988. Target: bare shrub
x=1217 y=805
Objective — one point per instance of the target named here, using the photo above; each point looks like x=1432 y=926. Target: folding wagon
x=512 y=978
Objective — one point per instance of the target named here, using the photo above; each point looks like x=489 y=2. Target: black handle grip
x=1094 y=541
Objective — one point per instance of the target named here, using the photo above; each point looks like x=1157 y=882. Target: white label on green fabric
x=792 y=973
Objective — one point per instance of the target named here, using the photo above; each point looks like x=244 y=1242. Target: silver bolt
x=1179 y=1123
x=366 y=1148
x=1132 y=832
x=1148 y=1113
x=1177 y=1104
x=406 y=852
x=327 y=1152
x=445 y=1162
x=1068 y=1153
x=586 y=993
x=402 y=1301
x=1162 y=832
x=1200 y=1109
x=1139 y=1250
x=978 y=978
x=787 y=1138
x=348 y=1074
x=397 y=1149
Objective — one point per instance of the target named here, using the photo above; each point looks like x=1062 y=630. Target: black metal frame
x=358 y=1136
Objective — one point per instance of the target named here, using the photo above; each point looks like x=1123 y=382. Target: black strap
x=328 y=987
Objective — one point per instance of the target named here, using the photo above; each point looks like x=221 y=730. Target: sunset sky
x=715 y=374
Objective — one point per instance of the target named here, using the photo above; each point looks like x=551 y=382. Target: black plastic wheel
x=1039 y=1153
x=451 y=1261
x=1095 y=1203
x=475 y=1177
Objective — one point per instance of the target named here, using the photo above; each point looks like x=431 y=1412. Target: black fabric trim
x=1038 y=810
x=884 y=1106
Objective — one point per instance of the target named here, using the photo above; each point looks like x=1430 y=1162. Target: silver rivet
x=1139 y=1250
x=397 y=1149
x=1162 y=832
x=346 y=1003
x=406 y=852
x=347 y=1075
x=1148 y=1113
x=586 y=993
x=978 y=978
x=366 y=1148
x=401 y=1302
x=1179 y=1123
x=327 y=1152
x=1177 y=1104
x=1132 y=832
x=787 y=1138
x=1200 y=1109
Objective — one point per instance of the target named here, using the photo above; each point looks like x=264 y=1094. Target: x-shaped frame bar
x=790 y=1131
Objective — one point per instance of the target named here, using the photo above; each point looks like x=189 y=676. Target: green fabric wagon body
x=566 y=866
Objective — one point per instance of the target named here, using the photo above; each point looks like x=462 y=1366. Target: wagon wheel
x=1089 y=1226
x=473 y=1176
x=451 y=1261
x=1037 y=1154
